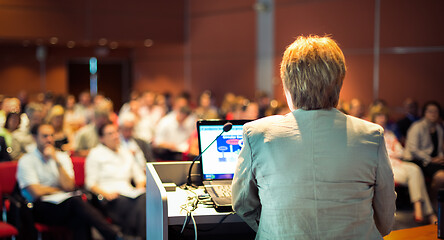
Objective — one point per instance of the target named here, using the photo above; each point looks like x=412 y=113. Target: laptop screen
x=220 y=159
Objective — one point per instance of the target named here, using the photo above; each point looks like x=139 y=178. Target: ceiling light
x=53 y=40
x=71 y=44
x=148 y=42
x=103 y=41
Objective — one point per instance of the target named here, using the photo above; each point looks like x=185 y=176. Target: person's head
x=411 y=106
x=379 y=115
x=35 y=114
x=182 y=114
x=101 y=115
x=55 y=116
x=109 y=136
x=148 y=98
x=250 y=111
x=356 y=108
x=205 y=99
x=312 y=72
x=11 y=105
x=12 y=121
x=85 y=98
x=70 y=102
x=431 y=111
x=43 y=135
x=181 y=100
x=126 y=125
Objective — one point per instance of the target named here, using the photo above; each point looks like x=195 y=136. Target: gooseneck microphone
x=227 y=127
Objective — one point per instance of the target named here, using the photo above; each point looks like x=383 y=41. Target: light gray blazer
x=419 y=144
x=316 y=174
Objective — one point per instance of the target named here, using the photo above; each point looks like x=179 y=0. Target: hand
x=110 y=196
x=438 y=160
x=49 y=152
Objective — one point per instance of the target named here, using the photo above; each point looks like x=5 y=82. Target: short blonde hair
x=312 y=71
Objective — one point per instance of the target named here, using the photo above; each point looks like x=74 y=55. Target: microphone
x=227 y=127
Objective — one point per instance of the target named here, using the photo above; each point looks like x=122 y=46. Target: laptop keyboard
x=222 y=190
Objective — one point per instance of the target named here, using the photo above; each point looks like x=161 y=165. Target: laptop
x=219 y=161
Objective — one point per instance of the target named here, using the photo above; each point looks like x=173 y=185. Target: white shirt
x=169 y=131
x=112 y=171
x=33 y=169
x=134 y=148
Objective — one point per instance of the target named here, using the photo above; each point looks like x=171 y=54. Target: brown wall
x=220 y=38
x=222 y=41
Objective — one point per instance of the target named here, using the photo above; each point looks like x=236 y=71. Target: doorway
x=113 y=79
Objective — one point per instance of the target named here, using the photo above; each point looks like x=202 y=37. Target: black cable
x=217 y=225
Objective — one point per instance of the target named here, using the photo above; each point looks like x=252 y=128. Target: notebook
x=219 y=161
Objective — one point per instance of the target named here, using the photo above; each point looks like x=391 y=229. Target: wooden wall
x=202 y=45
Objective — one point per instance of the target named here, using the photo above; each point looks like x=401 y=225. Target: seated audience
x=4 y=154
x=206 y=109
x=34 y=113
x=87 y=137
x=73 y=121
x=11 y=125
x=63 y=136
x=45 y=173
x=109 y=170
x=356 y=109
x=424 y=146
x=411 y=116
x=405 y=173
x=150 y=115
x=140 y=149
x=314 y=173
x=174 y=130
x=84 y=109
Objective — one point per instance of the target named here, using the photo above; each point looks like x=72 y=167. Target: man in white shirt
x=174 y=130
x=43 y=176
x=109 y=170
x=140 y=149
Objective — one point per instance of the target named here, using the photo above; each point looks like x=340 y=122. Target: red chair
x=78 y=164
x=6 y=229
x=8 y=181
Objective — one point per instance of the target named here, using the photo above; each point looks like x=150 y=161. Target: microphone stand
x=227 y=127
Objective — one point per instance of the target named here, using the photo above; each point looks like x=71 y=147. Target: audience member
x=84 y=109
x=109 y=170
x=173 y=130
x=405 y=173
x=45 y=174
x=34 y=113
x=227 y=105
x=87 y=137
x=263 y=101
x=63 y=136
x=4 y=153
x=176 y=127
x=314 y=173
x=73 y=121
x=140 y=149
x=206 y=109
x=11 y=125
x=150 y=115
x=356 y=109
x=411 y=116
x=424 y=146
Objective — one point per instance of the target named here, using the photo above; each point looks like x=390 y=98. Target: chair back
x=78 y=164
x=8 y=176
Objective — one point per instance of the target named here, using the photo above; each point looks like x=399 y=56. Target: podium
x=163 y=209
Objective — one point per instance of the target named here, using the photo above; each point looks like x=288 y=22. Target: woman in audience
x=424 y=146
x=12 y=123
x=405 y=173
x=206 y=110
x=63 y=135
